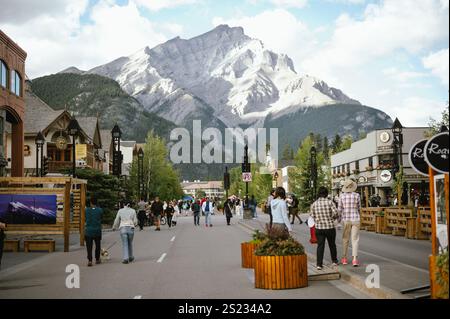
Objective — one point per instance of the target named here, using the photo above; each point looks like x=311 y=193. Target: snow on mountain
x=234 y=74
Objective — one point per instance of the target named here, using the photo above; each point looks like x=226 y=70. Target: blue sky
x=389 y=54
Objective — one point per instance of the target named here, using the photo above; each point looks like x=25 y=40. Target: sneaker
x=335 y=264
x=98 y=261
x=131 y=259
x=210 y=225
x=355 y=263
x=344 y=261
x=125 y=261
x=319 y=267
x=90 y=264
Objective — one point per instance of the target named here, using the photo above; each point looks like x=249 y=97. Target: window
x=3 y=74
x=357 y=165
x=348 y=168
x=371 y=161
x=16 y=82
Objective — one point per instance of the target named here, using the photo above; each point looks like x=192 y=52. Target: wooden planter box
x=411 y=228
x=39 y=245
x=381 y=225
x=11 y=245
x=248 y=254
x=281 y=272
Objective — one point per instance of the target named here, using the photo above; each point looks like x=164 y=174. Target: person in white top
x=126 y=221
x=279 y=211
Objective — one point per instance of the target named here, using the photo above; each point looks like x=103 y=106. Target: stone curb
x=355 y=281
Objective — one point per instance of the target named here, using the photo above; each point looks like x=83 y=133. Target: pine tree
x=336 y=144
x=286 y=153
x=326 y=149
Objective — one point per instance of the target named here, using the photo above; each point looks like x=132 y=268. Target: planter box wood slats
x=281 y=272
x=248 y=254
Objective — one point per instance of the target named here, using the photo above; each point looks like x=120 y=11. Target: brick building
x=12 y=102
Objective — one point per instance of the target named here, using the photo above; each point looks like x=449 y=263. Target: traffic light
x=45 y=166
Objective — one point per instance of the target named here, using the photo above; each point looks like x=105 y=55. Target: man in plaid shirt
x=349 y=208
x=324 y=213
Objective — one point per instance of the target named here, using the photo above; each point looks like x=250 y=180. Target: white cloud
x=19 y=11
x=403 y=76
x=279 y=30
x=290 y=3
x=438 y=64
x=417 y=111
x=348 y=1
x=412 y=26
x=56 y=42
x=156 y=5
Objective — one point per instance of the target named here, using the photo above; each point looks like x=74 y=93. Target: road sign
x=417 y=158
x=437 y=152
x=246 y=177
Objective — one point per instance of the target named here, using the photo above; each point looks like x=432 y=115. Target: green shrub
x=442 y=275
x=277 y=242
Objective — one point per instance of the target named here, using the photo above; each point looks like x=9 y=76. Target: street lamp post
x=275 y=179
x=73 y=129
x=141 y=171
x=117 y=158
x=397 y=129
x=313 y=163
x=226 y=182
x=246 y=169
x=40 y=140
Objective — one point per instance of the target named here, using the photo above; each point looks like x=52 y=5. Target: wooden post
x=366 y=194
x=446 y=188
x=67 y=191
x=434 y=247
x=82 y=212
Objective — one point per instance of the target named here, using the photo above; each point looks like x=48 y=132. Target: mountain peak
x=73 y=70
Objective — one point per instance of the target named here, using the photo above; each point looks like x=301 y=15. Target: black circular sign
x=417 y=158
x=437 y=152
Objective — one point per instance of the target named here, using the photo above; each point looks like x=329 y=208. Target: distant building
x=12 y=105
x=211 y=189
x=40 y=117
x=127 y=148
x=370 y=161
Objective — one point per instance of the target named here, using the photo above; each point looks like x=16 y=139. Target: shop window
x=16 y=83
x=3 y=74
x=357 y=165
x=371 y=161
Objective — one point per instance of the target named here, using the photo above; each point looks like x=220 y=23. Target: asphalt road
x=403 y=263
x=182 y=262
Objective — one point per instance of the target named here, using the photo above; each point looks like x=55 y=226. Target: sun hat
x=349 y=186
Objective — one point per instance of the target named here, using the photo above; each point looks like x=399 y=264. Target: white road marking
x=173 y=238
x=137 y=297
x=162 y=258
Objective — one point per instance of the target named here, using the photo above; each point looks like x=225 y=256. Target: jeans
x=127 y=234
x=253 y=208
x=2 y=238
x=89 y=245
x=196 y=218
x=330 y=236
x=350 y=229
x=208 y=218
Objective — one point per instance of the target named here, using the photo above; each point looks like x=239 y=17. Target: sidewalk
x=394 y=275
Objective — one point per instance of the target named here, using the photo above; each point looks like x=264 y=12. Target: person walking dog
x=126 y=221
x=93 y=230
x=324 y=213
x=349 y=208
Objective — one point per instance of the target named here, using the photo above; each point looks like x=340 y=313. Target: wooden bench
x=39 y=245
x=12 y=245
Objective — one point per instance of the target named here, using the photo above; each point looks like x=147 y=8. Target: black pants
x=169 y=220
x=228 y=219
x=330 y=236
x=269 y=210
x=141 y=219
x=89 y=244
x=196 y=218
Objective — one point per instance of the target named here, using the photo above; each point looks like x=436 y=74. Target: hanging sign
x=437 y=152
x=81 y=151
x=417 y=158
x=386 y=176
